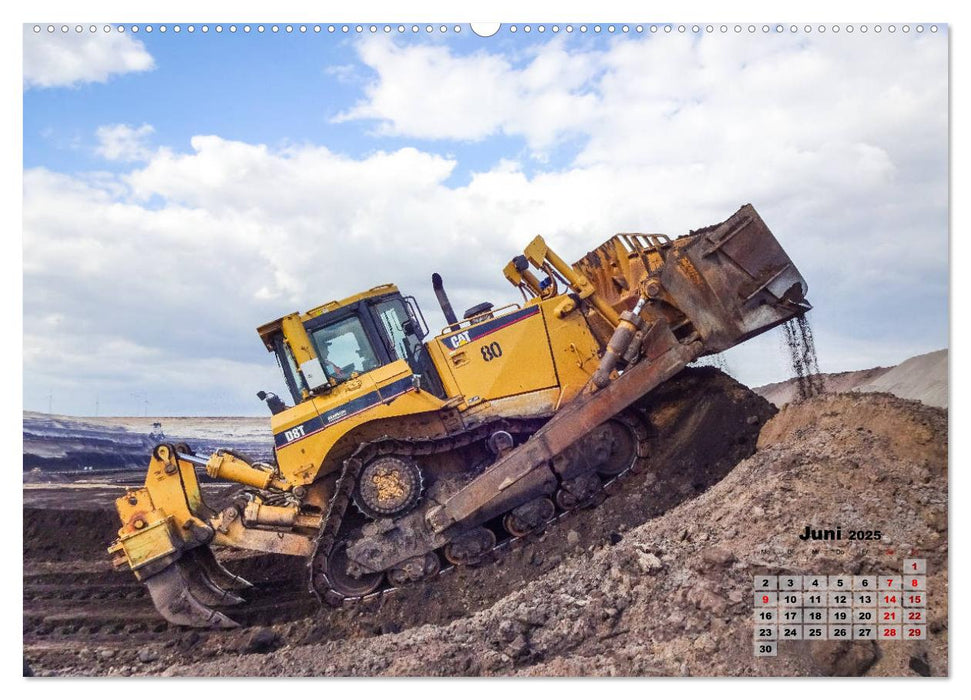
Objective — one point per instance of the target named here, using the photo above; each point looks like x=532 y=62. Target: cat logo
x=459 y=339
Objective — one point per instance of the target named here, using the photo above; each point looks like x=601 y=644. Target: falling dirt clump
x=802 y=356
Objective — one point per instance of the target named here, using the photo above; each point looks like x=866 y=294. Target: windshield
x=343 y=348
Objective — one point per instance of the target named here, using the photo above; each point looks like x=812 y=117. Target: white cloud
x=123 y=142
x=841 y=145
x=429 y=92
x=70 y=59
x=668 y=101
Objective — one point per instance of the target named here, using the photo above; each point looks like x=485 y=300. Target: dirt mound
x=922 y=378
x=673 y=596
x=781 y=393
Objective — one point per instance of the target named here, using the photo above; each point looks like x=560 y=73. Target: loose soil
x=656 y=580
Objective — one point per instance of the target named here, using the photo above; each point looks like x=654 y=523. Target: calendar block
x=840 y=583
x=840 y=616
x=914 y=583
x=814 y=583
x=890 y=632
x=890 y=616
x=915 y=631
x=915 y=566
x=864 y=583
x=915 y=616
x=865 y=616
x=864 y=632
x=790 y=583
x=865 y=599
x=793 y=632
x=815 y=617
x=766 y=583
x=766 y=649
x=768 y=633
x=840 y=632
x=889 y=599
x=766 y=616
x=814 y=632
x=815 y=599
x=766 y=598
x=790 y=599
x=914 y=600
x=790 y=616
x=840 y=599
x=889 y=583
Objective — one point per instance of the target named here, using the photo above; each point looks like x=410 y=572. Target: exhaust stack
x=450 y=317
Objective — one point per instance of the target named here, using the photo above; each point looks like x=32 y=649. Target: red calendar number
x=765 y=599
x=914 y=599
x=890 y=599
x=913 y=633
x=915 y=615
x=890 y=632
x=887 y=615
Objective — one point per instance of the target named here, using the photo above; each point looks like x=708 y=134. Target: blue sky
x=181 y=189
x=272 y=88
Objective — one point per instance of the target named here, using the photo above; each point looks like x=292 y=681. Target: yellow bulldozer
x=402 y=453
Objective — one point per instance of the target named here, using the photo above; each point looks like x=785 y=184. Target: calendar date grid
x=817 y=607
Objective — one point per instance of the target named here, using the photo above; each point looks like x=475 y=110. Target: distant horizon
x=257 y=416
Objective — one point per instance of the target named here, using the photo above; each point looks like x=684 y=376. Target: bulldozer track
x=341 y=500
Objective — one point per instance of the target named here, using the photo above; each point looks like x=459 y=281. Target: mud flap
x=171 y=591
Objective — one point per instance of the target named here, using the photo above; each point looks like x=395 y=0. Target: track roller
x=469 y=547
x=414 y=569
x=340 y=580
x=528 y=517
x=581 y=491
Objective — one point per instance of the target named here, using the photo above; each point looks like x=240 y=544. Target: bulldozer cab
x=342 y=340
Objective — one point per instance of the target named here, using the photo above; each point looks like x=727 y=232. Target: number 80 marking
x=491 y=351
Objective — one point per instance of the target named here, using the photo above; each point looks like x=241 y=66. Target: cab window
x=343 y=348
x=392 y=316
x=293 y=377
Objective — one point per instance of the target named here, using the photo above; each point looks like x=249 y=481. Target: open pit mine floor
x=656 y=580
